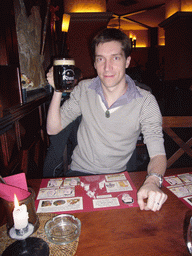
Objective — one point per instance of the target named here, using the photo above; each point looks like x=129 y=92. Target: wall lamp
x=64 y=29
x=133 y=42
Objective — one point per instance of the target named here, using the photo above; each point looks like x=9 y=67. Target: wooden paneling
x=23 y=139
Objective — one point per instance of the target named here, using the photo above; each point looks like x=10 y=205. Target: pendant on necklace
x=107 y=113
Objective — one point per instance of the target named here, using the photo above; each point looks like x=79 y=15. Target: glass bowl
x=63 y=229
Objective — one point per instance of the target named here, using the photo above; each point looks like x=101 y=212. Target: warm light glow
x=161 y=37
x=85 y=8
x=131 y=35
x=186 y=6
x=16 y=202
x=140 y=45
x=65 y=22
x=81 y=6
x=54 y=27
x=125 y=25
x=162 y=42
x=173 y=6
x=140 y=38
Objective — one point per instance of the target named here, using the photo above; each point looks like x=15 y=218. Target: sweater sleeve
x=71 y=108
x=151 y=126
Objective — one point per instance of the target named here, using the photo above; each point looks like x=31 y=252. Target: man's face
x=110 y=63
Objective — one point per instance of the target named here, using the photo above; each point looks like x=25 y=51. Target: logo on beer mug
x=68 y=75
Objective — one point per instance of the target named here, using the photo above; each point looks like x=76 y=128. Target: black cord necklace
x=107 y=113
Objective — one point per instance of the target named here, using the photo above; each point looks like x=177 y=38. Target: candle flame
x=16 y=202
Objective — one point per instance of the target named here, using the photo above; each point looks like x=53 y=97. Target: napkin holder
x=30 y=203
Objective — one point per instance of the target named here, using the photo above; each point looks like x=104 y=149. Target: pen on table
x=2 y=180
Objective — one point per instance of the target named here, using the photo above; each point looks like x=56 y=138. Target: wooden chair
x=171 y=122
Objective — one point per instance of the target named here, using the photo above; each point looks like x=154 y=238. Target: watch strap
x=159 y=176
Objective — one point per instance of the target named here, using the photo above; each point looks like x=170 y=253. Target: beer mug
x=63 y=73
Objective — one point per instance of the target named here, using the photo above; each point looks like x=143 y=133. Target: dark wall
x=10 y=91
x=8 y=38
x=178 y=45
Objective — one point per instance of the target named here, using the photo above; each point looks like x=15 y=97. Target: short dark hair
x=112 y=34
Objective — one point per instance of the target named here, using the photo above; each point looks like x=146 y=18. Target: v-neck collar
x=131 y=93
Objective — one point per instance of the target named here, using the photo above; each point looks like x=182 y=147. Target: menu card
x=86 y=193
x=181 y=186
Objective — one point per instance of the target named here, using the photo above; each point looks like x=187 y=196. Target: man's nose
x=107 y=65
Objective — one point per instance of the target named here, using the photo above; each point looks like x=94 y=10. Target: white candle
x=20 y=215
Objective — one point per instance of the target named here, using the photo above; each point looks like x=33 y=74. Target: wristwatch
x=159 y=176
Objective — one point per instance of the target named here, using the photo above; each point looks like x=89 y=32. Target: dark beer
x=63 y=70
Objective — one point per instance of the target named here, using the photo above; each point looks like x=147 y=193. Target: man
x=114 y=112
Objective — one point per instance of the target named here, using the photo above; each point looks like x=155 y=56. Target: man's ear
x=128 y=61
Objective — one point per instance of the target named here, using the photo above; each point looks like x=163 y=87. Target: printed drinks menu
x=86 y=193
x=181 y=186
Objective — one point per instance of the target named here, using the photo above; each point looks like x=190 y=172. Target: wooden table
x=132 y=231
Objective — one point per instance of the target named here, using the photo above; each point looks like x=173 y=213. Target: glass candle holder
x=30 y=203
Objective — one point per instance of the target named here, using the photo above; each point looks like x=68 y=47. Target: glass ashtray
x=63 y=229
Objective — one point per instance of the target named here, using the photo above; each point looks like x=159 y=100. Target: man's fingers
x=50 y=77
x=140 y=200
x=155 y=199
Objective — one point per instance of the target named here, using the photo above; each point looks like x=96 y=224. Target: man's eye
x=116 y=58
x=99 y=59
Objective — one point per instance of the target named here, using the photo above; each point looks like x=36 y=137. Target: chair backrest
x=169 y=124
x=56 y=160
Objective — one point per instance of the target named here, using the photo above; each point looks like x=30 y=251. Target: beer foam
x=68 y=62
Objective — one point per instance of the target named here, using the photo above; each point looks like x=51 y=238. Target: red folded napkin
x=15 y=184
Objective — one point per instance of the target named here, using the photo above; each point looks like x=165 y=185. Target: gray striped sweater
x=105 y=145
